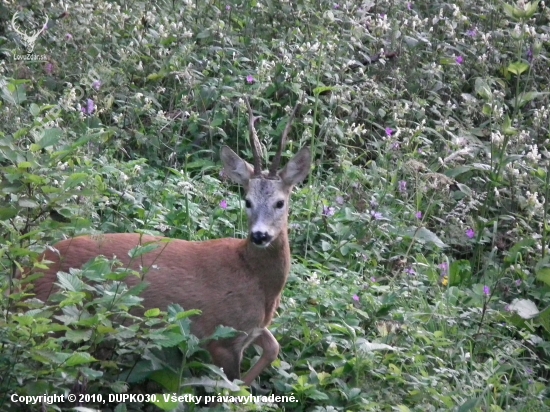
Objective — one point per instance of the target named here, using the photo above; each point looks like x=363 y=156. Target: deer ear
x=236 y=168
x=297 y=168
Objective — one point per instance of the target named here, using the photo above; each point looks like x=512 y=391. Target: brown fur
x=181 y=271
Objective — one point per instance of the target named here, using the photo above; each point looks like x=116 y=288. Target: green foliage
x=421 y=275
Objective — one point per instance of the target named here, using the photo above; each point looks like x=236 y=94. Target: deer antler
x=27 y=40
x=254 y=142
x=14 y=25
x=277 y=159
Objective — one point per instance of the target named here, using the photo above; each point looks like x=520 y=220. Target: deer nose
x=260 y=238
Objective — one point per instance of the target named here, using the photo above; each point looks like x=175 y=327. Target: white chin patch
x=263 y=245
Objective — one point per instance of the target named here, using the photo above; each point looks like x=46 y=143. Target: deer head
x=28 y=41
x=267 y=193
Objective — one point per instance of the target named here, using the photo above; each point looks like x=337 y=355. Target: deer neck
x=270 y=264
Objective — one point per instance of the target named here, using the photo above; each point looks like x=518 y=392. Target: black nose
x=259 y=238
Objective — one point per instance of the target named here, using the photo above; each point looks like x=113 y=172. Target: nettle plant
x=422 y=227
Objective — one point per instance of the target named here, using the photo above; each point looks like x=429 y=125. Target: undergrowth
x=421 y=276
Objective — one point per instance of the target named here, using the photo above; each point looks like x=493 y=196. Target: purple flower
x=228 y=7
x=486 y=290
x=68 y=36
x=472 y=32
x=470 y=233
x=402 y=186
x=223 y=204
x=507 y=308
x=336 y=6
x=518 y=282
x=96 y=84
x=444 y=268
x=355 y=298
x=459 y=60
x=373 y=279
x=420 y=150
x=389 y=131
x=328 y=211
x=48 y=68
x=376 y=215
x=410 y=271
x=339 y=200
x=90 y=107
x=530 y=55
x=395 y=146
x=409 y=6
x=250 y=79
x=418 y=215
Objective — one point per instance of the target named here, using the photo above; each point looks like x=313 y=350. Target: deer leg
x=270 y=351
x=226 y=354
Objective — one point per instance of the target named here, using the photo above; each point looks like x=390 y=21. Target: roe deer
x=234 y=282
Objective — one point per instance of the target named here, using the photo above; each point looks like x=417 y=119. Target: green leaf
x=544 y=275
x=531 y=8
x=482 y=88
x=507 y=127
x=70 y=282
x=411 y=41
x=469 y=405
x=138 y=289
x=521 y=13
x=424 y=235
x=223 y=332
x=509 y=10
x=204 y=34
x=7 y=213
x=142 y=250
x=322 y=89
x=460 y=273
x=78 y=335
x=156 y=76
x=14 y=93
x=34 y=109
x=544 y=319
x=24 y=165
x=31 y=204
x=168 y=339
x=24 y=320
x=49 y=137
x=80 y=358
x=118 y=275
x=518 y=67
x=152 y=313
x=514 y=254
x=318 y=395
x=527 y=97
x=487 y=110
x=186 y=314
x=457 y=171
x=75 y=179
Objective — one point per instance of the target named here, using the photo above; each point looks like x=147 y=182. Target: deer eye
x=280 y=204
x=247 y=203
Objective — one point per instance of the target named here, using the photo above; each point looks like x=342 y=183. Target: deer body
x=236 y=283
